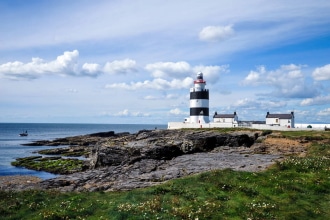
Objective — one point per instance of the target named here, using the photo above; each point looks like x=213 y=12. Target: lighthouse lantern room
x=199 y=101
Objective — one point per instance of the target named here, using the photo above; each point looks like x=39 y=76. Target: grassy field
x=296 y=188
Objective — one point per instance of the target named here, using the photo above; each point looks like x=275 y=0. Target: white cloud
x=211 y=73
x=216 y=33
x=140 y=114
x=67 y=61
x=158 y=84
x=178 y=112
x=254 y=77
x=319 y=100
x=169 y=69
x=322 y=73
x=325 y=112
x=150 y=97
x=91 y=69
x=127 y=113
x=167 y=96
x=252 y=104
x=287 y=81
x=245 y=103
x=120 y=66
x=175 y=74
x=64 y=65
x=122 y=113
x=171 y=96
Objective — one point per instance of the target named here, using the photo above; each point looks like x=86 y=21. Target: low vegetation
x=57 y=165
x=294 y=188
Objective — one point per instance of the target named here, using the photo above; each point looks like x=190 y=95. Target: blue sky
x=134 y=61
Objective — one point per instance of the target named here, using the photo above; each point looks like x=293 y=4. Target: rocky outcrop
x=163 y=145
x=149 y=172
x=82 y=140
x=128 y=161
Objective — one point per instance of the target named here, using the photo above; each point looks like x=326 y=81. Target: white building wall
x=299 y=127
x=178 y=125
x=226 y=120
x=285 y=122
x=280 y=122
x=223 y=120
x=199 y=119
x=272 y=121
x=314 y=126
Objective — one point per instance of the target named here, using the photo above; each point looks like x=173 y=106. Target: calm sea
x=11 y=148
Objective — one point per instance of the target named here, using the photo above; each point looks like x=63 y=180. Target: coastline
x=12 y=145
x=150 y=157
x=283 y=154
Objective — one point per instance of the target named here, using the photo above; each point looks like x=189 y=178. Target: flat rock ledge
x=150 y=158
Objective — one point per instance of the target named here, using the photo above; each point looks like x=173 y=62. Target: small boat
x=24 y=134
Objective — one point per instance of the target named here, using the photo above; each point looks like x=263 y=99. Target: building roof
x=280 y=116
x=216 y=115
x=224 y=116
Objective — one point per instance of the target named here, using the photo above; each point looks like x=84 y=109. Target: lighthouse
x=199 y=101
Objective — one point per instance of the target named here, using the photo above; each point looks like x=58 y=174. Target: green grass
x=311 y=135
x=296 y=188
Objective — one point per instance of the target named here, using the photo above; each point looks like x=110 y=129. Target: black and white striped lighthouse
x=199 y=101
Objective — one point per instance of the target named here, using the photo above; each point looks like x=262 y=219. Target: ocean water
x=11 y=148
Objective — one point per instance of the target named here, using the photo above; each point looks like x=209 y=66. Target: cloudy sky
x=94 y=61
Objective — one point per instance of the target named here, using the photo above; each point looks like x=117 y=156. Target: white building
x=226 y=119
x=283 y=120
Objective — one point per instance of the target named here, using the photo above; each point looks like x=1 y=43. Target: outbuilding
x=226 y=119
x=285 y=120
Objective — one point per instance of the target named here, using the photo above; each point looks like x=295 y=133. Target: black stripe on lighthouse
x=199 y=111
x=199 y=94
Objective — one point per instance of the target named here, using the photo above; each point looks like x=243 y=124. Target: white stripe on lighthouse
x=199 y=103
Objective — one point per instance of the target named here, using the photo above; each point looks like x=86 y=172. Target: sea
x=11 y=143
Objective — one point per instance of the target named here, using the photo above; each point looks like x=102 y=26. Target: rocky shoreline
x=127 y=161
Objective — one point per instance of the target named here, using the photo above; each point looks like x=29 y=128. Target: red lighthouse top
x=199 y=78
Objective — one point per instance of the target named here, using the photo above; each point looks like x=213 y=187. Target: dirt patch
x=283 y=146
x=23 y=181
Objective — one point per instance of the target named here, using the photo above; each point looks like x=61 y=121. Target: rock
x=163 y=145
x=82 y=140
x=72 y=151
x=103 y=134
x=128 y=161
